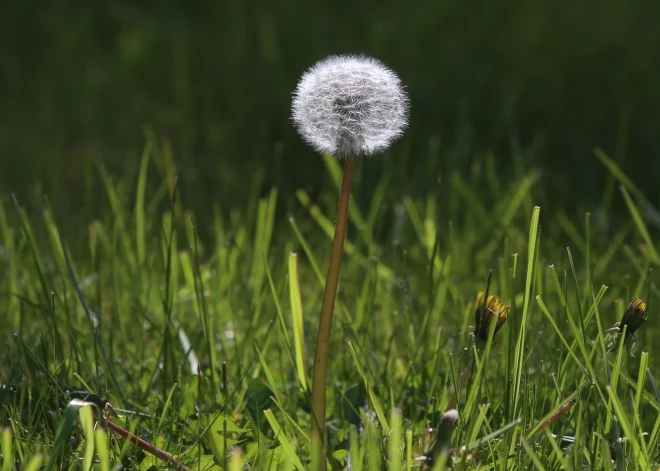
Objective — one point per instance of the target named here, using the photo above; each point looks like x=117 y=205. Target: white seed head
x=349 y=106
x=450 y=417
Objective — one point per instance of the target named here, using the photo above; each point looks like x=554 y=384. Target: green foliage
x=136 y=309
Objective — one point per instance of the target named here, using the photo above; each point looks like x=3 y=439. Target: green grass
x=202 y=345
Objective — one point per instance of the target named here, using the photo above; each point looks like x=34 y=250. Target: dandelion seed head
x=450 y=416
x=349 y=106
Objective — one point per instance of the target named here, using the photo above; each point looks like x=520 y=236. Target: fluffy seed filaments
x=350 y=106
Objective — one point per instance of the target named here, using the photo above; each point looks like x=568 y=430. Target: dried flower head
x=442 y=441
x=632 y=319
x=634 y=316
x=349 y=106
x=488 y=309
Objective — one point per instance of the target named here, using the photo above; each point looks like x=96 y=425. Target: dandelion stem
x=321 y=355
x=148 y=447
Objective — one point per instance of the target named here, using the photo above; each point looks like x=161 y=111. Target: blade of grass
x=329 y=229
x=284 y=441
x=297 y=321
x=394 y=442
x=88 y=314
x=520 y=342
x=101 y=441
x=375 y=402
x=87 y=423
x=640 y=455
x=308 y=251
x=639 y=390
x=65 y=428
x=140 y=229
x=7 y=450
x=486 y=438
x=641 y=227
x=532 y=456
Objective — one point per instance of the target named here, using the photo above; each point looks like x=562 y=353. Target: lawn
x=136 y=325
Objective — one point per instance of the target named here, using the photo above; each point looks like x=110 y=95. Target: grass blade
x=284 y=441
x=520 y=342
x=641 y=227
x=297 y=321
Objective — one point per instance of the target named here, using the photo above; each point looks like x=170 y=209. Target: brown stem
x=320 y=374
x=148 y=447
x=559 y=413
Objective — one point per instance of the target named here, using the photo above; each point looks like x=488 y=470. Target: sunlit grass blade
x=577 y=336
x=35 y=463
x=262 y=238
x=277 y=398
x=202 y=308
x=656 y=389
x=102 y=449
x=520 y=341
x=165 y=407
x=308 y=251
x=491 y=436
x=583 y=332
x=284 y=441
x=477 y=423
x=297 y=321
x=7 y=450
x=236 y=461
x=475 y=387
x=280 y=314
x=639 y=452
x=87 y=423
x=65 y=428
x=639 y=390
x=356 y=455
x=409 y=450
x=394 y=456
x=654 y=437
x=373 y=398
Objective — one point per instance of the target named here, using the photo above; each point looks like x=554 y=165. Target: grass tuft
x=198 y=338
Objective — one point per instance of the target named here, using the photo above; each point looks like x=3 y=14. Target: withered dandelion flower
x=489 y=310
x=634 y=316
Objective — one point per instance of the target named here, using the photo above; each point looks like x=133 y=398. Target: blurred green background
x=539 y=83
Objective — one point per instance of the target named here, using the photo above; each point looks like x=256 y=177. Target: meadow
x=131 y=325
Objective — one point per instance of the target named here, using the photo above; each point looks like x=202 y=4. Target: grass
x=201 y=345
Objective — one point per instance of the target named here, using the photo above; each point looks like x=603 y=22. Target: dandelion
x=634 y=316
x=347 y=106
x=489 y=309
x=344 y=106
x=441 y=444
x=632 y=320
